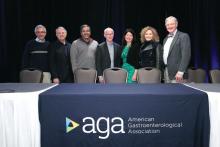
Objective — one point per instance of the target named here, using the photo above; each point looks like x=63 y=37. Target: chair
x=215 y=75
x=196 y=75
x=115 y=75
x=85 y=75
x=31 y=76
x=148 y=75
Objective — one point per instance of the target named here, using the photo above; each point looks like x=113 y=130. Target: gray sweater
x=82 y=54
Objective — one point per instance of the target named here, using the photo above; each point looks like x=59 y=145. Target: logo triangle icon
x=70 y=125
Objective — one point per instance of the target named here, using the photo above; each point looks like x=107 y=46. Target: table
x=19 y=121
x=213 y=91
x=119 y=115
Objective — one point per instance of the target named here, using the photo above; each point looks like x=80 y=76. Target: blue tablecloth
x=155 y=115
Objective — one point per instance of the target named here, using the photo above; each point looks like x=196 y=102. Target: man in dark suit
x=60 y=64
x=176 y=52
x=108 y=54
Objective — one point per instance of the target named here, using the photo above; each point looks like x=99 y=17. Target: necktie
x=170 y=35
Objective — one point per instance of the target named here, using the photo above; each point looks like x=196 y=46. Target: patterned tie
x=170 y=35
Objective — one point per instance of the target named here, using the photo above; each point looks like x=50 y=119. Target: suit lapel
x=115 y=51
x=173 y=42
x=107 y=53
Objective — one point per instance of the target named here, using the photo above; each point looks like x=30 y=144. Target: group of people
x=60 y=59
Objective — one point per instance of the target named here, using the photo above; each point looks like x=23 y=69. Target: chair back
x=215 y=75
x=196 y=75
x=85 y=75
x=115 y=75
x=31 y=76
x=148 y=75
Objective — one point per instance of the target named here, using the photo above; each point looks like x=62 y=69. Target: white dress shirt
x=167 y=47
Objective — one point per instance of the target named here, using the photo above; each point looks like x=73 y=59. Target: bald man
x=108 y=54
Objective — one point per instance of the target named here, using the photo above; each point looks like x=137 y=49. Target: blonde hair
x=155 y=38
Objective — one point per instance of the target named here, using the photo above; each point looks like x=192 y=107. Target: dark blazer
x=133 y=55
x=102 y=57
x=179 y=54
x=59 y=59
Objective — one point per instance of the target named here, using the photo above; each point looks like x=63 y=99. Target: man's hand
x=56 y=81
x=179 y=77
x=101 y=79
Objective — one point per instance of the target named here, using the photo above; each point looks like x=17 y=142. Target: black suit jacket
x=179 y=54
x=102 y=57
x=59 y=59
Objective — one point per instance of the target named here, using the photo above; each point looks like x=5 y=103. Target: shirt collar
x=109 y=43
x=172 y=34
x=41 y=41
x=61 y=42
x=90 y=40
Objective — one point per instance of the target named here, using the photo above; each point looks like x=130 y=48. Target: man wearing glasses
x=35 y=54
x=108 y=54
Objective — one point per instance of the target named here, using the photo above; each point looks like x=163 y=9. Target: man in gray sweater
x=82 y=52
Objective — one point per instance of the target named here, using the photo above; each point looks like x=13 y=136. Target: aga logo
x=70 y=125
x=103 y=126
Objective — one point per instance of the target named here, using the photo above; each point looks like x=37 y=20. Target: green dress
x=129 y=68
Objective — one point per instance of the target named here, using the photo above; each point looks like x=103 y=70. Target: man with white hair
x=176 y=52
x=108 y=54
x=35 y=54
x=59 y=54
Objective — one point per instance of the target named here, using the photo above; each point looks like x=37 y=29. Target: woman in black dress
x=151 y=49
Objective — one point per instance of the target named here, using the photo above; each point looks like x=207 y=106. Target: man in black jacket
x=108 y=54
x=59 y=52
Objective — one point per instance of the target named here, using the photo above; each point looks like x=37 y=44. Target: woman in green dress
x=130 y=55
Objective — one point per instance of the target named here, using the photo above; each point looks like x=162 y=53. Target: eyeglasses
x=109 y=34
x=40 y=32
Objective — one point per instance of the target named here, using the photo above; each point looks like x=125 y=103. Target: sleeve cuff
x=180 y=73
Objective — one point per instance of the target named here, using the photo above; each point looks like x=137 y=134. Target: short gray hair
x=61 y=27
x=171 y=18
x=107 y=29
x=40 y=26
